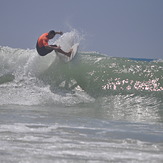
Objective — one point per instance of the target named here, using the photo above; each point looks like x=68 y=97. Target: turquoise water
x=94 y=109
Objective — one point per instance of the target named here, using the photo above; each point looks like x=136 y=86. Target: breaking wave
x=28 y=79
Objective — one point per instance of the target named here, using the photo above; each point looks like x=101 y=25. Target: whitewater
x=93 y=109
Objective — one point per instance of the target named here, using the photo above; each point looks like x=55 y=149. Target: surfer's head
x=51 y=34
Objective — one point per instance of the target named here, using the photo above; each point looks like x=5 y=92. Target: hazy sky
x=121 y=28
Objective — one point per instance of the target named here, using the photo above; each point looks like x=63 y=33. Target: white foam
x=25 y=67
x=68 y=39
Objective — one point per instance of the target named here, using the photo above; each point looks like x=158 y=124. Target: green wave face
x=100 y=75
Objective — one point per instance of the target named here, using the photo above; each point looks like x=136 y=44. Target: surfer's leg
x=63 y=52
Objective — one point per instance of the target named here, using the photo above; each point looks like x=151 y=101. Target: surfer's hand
x=61 y=33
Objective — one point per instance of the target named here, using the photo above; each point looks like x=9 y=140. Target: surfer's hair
x=52 y=32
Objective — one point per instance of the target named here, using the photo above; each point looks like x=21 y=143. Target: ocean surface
x=94 y=109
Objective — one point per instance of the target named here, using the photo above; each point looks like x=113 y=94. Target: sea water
x=93 y=109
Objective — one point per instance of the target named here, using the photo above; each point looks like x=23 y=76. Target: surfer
x=43 y=48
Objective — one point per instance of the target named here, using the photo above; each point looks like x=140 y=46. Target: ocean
x=94 y=109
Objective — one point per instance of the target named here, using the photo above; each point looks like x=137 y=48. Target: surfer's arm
x=54 y=47
x=60 y=33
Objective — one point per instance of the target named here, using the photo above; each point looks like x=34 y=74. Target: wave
x=27 y=78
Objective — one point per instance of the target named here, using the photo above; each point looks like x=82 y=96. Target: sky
x=118 y=28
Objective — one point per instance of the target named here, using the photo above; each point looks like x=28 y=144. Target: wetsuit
x=41 y=43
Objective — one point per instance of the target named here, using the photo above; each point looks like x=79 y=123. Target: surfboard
x=65 y=58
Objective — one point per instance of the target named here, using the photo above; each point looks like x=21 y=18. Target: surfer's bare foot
x=69 y=53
